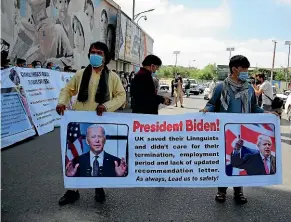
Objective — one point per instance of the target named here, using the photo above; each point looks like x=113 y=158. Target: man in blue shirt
x=234 y=95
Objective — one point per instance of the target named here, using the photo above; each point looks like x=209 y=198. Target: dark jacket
x=144 y=97
x=188 y=85
x=85 y=170
x=251 y=161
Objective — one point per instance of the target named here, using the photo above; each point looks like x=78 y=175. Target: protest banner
x=40 y=87
x=16 y=123
x=63 y=79
x=191 y=150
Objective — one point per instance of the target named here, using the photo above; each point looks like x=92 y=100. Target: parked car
x=278 y=93
x=207 y=90
x=192 y=82
x=202 y=87
x=164 y=86
x=206 y=93
x=194 y=89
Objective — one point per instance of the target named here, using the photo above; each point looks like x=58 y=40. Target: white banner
x=191 y=150
x=16 y=122
x=41 y=88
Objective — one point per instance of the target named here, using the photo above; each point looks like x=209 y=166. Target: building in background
x=61 y=31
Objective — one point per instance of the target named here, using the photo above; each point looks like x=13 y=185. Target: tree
x=280 y=75
x=208 y=73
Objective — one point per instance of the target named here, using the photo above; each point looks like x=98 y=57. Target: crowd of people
x=5 y=63
x=110 y=90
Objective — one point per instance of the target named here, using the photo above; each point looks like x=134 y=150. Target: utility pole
x=273 y=64
x=230 y=50
x=287 y=73
x=176 y=53
x=133 y=10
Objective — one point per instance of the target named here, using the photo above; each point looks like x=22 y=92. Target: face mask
x=152 y=69
x=243 y=76
x=96 y=60
x=154 y=74
x=37 y=66
x=53 y=68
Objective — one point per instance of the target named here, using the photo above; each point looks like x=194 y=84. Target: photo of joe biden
x=96 y=162
x=255 y=162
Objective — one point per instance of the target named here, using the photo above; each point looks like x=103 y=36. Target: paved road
x=32 y=184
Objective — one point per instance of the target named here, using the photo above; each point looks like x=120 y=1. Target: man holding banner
x=234 y=95
x=97 y=89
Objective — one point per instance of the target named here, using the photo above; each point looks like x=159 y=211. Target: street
x=32 y=183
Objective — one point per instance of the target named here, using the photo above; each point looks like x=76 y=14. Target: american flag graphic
x=74 y=141
x=249 y=133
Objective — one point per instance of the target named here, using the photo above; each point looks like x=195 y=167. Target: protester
x=131 y=76
x=99 y=90
x=50 y=65
x=266 y=90
x=36 y=64
x=187 y=88
x=172 y=87
x=125 y=86
x=178 y=92
x=234 y=95
x=21 y=63
x=4 y=60
x=144 y=97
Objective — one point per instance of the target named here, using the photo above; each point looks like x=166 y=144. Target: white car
x=164 y=86
x=279 y=94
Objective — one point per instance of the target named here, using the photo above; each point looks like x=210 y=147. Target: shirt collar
x=268 y=158
x=92 y=155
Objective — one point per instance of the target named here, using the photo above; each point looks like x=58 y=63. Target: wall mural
x=58 y=31
x=61 y=31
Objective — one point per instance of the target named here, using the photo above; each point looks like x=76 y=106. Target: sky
x=202 y=30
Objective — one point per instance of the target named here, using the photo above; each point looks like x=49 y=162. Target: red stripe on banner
x=229 y=138
x=243 y=173
x=252 y=136
x=266 y=126
x=73 y=149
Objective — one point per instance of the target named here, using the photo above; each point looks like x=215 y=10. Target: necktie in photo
x=95 y=167
x=266 y=166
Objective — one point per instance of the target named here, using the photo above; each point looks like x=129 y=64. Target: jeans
x=236 y=189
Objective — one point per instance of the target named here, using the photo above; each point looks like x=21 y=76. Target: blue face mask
x=154 y=74
x=243 y=76
x=37 y=66
x=96 y=60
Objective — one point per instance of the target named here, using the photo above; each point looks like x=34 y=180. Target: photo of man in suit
x=255 y=162
x=96 y=162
